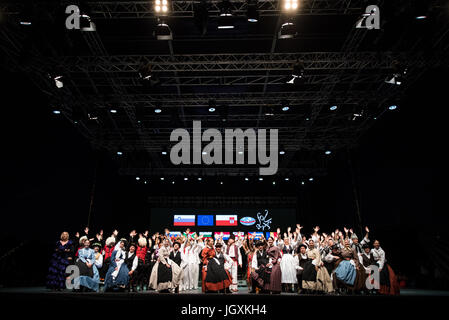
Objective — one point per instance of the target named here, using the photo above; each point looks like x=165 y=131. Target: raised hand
x=346 y=229
x=350 y=230
x=366 y=229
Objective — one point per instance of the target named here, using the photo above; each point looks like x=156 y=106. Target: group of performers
x=289 y=262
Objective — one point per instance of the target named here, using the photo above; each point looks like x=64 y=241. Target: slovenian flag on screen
x=184 y=220
x=226 y=220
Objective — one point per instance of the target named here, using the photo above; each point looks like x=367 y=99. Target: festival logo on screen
x=247 y=221
x=264 y=221
x=205 y=220
x=184 y=220
x=226 y=220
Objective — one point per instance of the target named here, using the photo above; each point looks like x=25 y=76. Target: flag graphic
x=184 y=220
x=206 y=234
x=174 y=234
x=239 y=234
x=205 y=220
x=225 y=235
x=272 y=234
x=226 y=220
x=257 y=235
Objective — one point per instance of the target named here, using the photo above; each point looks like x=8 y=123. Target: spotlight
x=204 y=153
x=328 y=152
x=162 y=178
x=56 y=112
x=282 y=152
x=221 y=182
x=119 y=153
x=286 y=179
x=303 y=183
x=399 y=72
x=157 y=110
x=161 y=7
x=290 y=5
x=297 y=72
x=163 y=32
x=252 y=13
x=392 y=107
x=226 y=19
x=113 y=111
x=172 y=182
x=137 y=178
x=145 y=182
x=286 y=108
x=186 y=179
x=287 y=31
x=274 y=182
x=58 y=82
x=211 y=109
x=310 y=179
x=212 y=105
x=145 y=72
x=87 y=24
x=333 y=108
x=260 y=179
x=164 y=153
x=199 y=179
x=246 y=179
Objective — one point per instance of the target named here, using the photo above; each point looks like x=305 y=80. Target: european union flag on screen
x=205 y=220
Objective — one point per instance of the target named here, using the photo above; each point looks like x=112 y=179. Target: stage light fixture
x=164 y=153
x=398 y=74
x=145 y=182
x=328 y=152
x=172 y=182
x=87 y=24
x=145 y=72
x=260 y=179
x=252 y=13
x=286 y=108
x=199 y=179
x=119 y=153
x=56 y=112
x=287 y=31
x=297 y=72
x=290 y=5
x=58 y=82
x=212 y=105
x=286 y=179
x=303 y=183
x=186 y=179
x=162 y=178
x=274 y=182
x=161 y=7
x=282 y=152
x=225 y=19
x=246 y=179
x=333 y=108
x=392 y=107
x=221 y=182
x=137 y=178
x=157 y=110
x=203 y=152
x=113 y=111
x=310 y=179
x=163 y=31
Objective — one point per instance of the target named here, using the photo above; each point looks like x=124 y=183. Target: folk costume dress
x=215 y=276
x=117 y=275
x=190 y=263
x=274 y=255
x=288 y=264
x=313 y=279
x=348 y=271
x=89 y=276
x=61 y=258
x=387 y=278
x=261 y=274
x=162 y=276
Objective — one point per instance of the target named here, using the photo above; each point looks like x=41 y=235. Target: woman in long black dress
x=61 y=258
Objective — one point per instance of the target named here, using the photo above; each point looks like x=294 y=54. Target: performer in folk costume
x=302 y=261
x=274 y=256
x=107 y=253
x=348 y=273
x=89 y=278
x=142 y=271
x=366 y=262
x=98 y=256
x=232 y=249
x=61 y=258
x=260 y=272
x=166 y=274
x=388 y=281
x=175 y=256
x=215 y=276
x=288 y=262
x=117 y=276
x=248 y=246
x=190 y=261
x=132 y=262
x=315 y=277
x=355 y=244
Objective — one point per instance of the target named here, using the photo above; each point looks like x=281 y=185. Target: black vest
x=129 y=260
x=286 y=250
x=262 y=258
x=176 y=259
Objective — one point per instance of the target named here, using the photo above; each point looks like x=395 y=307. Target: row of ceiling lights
x=303 y=182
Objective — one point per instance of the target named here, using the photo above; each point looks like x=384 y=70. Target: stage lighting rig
x=288 y=30
x=297 y=72
x=163 y=31
x=398 y=75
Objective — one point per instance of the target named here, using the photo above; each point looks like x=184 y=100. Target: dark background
x=48 y=170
